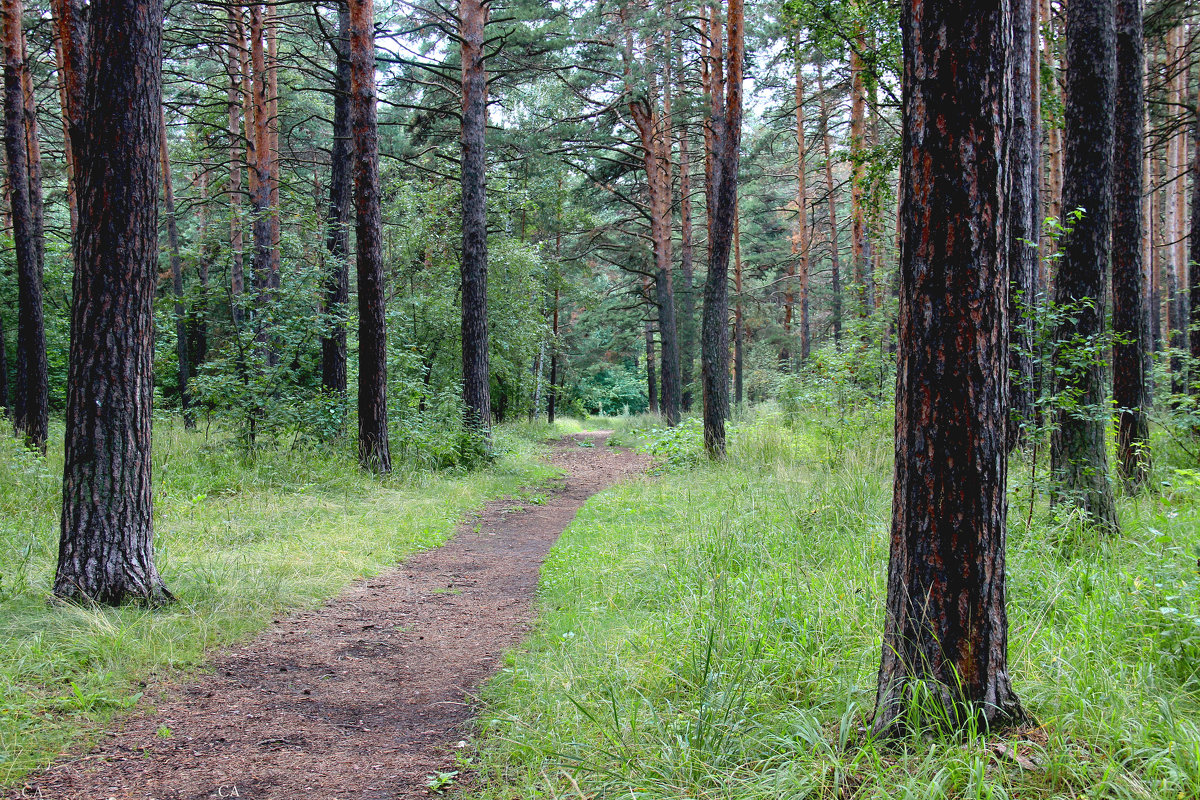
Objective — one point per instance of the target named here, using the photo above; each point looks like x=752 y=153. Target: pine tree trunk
x=552 y=391
x=651 y=370
x=1176 y=207
x=473 y=18
x=1054 y=145
x=33 y=150
x=374 y=452
x=800 y=243
x=30 y=411
x=1077 y=450
x=181 y=332
x=265 y=268
x=4 y=400
x=336 y=293
x=1193 y=264
x=1130 y=355
x=739 y=322
x=831 y=201
x=946 y=631
x=723 y=135
x=1023 y=224
x=860 y=244
x=106 y=550
x=70 y=57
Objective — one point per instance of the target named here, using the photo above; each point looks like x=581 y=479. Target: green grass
x=715 y=633
x=240 y=540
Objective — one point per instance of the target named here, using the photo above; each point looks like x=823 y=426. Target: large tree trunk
x=831 y=201
x=473 y=18
x=106 y=550
x=723 y=135
x=181 y=330
x=946 y=631
x=265 y=263
x=1130 y=354
x=374 y=452
x=30 y=411
x=1023 y=224
x=1077 y=453
x=70 y=49
x=336 y=292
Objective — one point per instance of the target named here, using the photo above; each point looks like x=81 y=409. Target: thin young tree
x=1077 y=448
x=1130 y=324
x=374 y=452
x=946 y=632
x=106 y=552
x=341 y=188
x=1023 y=224
x=30 y=396
x=473 y=18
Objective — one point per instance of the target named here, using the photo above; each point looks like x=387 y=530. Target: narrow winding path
x=362 y=698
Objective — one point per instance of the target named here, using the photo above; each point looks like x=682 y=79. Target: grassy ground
x=239 y=539
x=715 y=633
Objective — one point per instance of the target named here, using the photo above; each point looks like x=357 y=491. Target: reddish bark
x=945 y=640
x=235 y=62
x=831 y=202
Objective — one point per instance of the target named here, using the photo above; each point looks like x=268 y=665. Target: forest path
x=364 y=697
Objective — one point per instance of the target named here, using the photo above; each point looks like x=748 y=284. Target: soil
x=363 y=698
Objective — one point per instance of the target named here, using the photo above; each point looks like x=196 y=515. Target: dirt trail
x=360 y=699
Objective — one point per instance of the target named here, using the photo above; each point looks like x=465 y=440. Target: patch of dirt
x=363 y=698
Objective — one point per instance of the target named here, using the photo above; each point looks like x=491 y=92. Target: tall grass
x=240 y=539
x=716 y=632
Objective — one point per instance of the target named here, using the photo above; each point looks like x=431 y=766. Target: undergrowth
x=715 y=633
x=241 y=537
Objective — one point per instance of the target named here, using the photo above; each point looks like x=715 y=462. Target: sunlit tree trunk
x=946 y=631
x=106 y=552
x=860 y=243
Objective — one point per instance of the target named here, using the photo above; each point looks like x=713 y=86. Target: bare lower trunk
x=336 y=293
x=945 y=638
x=374 y=452
x=106 y=552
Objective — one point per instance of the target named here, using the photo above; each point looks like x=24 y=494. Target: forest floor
x=368 y=696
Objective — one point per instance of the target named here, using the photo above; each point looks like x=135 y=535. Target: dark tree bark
x=374 y=452
x=552 y=390
x=4 y=400
x=1130 y=323
x=181 y=328
x=723 y=135
x=946 y=632
x=831 y=201
x=1077 y=453
x=337 y=274
x=106 y=548
x=1023 y=225
x=473 y=17
x=30 y=410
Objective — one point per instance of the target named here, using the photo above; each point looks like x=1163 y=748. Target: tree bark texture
x=800 y=244
x=1176 y=211
x=473 y=17
x=651 y=370
x=687 y=278
x=1131 y=362
x=1077 y=449
x=30 y=410
x=106 y=546
x=264 y=219
x=723 y=136
x=71 y=53
x=234 y=62
x=374 y=452
x=946 y=631
x=860 y=243
x=1023 y=225
x=739 y=320
x=341 y=187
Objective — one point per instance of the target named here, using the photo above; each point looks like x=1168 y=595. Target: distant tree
x=473 y=18
x=30 y=406
x=106 y=550
x=946 y=631
x=1024 y=227
x=374 y=452
x=1077 y=449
